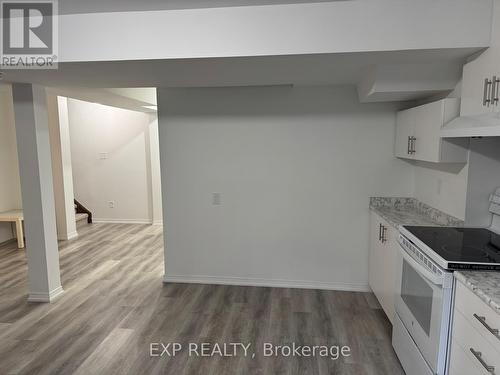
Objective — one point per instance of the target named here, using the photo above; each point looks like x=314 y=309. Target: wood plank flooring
x=115 y=305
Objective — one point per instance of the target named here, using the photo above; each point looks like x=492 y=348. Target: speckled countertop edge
x=484 y=284
x=410 y=211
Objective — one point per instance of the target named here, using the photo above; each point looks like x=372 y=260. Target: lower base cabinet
x=461 y=363
x=475 y=348
x=382 y=262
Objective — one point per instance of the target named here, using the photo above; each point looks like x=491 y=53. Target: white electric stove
x=425 y=290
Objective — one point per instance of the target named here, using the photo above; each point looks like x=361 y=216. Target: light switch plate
x=216 y=199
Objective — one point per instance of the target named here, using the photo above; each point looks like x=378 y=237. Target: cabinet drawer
x=465 y=335
x=460 y=363
x=473 y=309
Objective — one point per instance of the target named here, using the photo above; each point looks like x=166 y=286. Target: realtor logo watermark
x=29 y=34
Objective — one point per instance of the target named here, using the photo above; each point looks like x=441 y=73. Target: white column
x=155 y=172
x=33 y=145
x=61 y=167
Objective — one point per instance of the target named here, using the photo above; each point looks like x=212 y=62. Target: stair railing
x=81 y=209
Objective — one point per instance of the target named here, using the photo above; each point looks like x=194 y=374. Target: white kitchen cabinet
x=405 y=130
x=475 y=341
x=480 y=86
x=382 y=262
x=418 y=133
x=478 y=98
x=461 y=363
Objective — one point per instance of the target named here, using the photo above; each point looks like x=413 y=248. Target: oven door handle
x=421 y=269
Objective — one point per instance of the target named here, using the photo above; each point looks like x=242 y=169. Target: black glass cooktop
x=464 y=245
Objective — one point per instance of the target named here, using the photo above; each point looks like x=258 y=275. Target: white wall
x=484 y=179
x=442 y=186
x=295 y=167
x=10 y=189
x=123 y=177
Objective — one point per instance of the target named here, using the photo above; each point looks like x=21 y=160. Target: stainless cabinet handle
x=478 y=356
x=486 y=92
x=495 y=83
x=379 y=231
x=482 y=320
x=384 y=231
x=411 y=145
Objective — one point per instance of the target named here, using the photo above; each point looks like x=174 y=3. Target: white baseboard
x=46 y=297
x=13 y=239
x=160 y=222
x=67 y=237
x=121 y=221
x=274 y=283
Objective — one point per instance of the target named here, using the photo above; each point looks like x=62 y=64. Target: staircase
x=81 y=217
x=82 y=213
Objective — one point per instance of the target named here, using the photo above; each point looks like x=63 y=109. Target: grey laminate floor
x=116 y=305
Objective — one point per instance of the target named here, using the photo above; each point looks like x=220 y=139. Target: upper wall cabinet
x=481 y=76
x=418 y=133
x=481 y=84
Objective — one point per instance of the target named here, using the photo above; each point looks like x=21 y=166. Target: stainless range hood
x=485 y=125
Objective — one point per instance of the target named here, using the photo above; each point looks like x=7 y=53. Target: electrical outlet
x=111 y=204
x=216 y=199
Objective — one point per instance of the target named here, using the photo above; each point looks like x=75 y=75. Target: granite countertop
x=484 y=284
x=410 y=211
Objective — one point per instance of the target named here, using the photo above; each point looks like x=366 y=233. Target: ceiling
x=100 y=6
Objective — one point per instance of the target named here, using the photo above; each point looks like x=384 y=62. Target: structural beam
x=284 y=29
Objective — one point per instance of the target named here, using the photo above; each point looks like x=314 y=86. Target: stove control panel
x=419 y=256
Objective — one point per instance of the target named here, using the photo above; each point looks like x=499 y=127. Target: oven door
x=424 y=307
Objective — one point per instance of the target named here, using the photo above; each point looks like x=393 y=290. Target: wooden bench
x=17 y=217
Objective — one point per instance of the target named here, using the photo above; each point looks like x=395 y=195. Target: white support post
x=61 y=167
x=154 y=171
x=32 y=132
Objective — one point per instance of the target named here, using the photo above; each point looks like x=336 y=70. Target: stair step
x=80 y=217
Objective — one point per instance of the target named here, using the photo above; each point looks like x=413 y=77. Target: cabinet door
x=405 y=127
x=473 y=87
x=484 y=66
x=375 y=266
x=382 y=263
x=495 y=106
x=389 y=250
x=428 y=122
